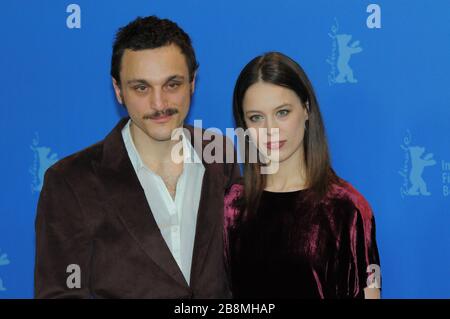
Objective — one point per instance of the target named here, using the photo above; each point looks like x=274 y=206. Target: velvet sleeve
x=62 y=239
x=359 y=263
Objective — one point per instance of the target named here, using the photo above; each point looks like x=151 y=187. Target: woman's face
x=266 y=107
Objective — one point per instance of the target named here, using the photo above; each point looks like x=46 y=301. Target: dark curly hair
x=151 y=33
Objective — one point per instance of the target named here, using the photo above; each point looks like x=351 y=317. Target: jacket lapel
x=207 y=217
x=127 y=198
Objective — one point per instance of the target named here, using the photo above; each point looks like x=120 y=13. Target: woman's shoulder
x=343 y=191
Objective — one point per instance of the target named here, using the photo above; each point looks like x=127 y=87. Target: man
x=121 y=218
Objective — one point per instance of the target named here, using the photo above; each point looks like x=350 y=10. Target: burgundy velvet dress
x=294 y=249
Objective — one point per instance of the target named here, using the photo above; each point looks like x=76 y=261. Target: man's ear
x=193 y=83
x=117 y=91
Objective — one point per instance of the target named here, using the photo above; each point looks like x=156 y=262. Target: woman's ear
x=306 y=110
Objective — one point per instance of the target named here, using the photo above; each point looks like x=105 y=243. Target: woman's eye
x=283 y=113
x=255 y=118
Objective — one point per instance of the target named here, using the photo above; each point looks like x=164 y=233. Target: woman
x=299 y=231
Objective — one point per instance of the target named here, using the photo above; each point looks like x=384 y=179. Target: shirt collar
x=190 y=156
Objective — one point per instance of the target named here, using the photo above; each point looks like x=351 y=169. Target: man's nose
x=158 y=100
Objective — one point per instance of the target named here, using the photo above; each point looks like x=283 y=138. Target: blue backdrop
x=381 y=73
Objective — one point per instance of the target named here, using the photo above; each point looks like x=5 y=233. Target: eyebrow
x=143 y=81
x=278 y=107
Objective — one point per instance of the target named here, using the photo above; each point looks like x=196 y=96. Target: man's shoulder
x=210 y=140
x=79 y=162
x=84 y=163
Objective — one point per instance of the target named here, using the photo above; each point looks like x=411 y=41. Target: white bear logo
x=418 y=163
x=44 y=158
x=3 y=262
x=345 y=53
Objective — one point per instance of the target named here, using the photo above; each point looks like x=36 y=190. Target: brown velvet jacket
x=93 y=212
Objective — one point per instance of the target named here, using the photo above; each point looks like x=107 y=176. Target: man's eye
x=283 y=113
x=173 y=85
x=140 y=88
x=255 y=118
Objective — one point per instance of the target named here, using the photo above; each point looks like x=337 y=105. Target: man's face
x=155 y=88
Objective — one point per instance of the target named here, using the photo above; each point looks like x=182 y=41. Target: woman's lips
x=275 y=145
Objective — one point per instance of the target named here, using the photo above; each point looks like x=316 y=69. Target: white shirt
x=177 y=218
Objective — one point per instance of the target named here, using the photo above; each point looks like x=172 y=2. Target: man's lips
x=275 y=145
x=162 y=119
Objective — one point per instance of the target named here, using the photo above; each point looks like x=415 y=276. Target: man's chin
x=161 y=132
x=160 y=137
x=163 y=135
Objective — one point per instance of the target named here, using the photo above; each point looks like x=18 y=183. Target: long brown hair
x=277 y=68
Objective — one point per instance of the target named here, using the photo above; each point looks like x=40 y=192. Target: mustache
x=158 y=114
